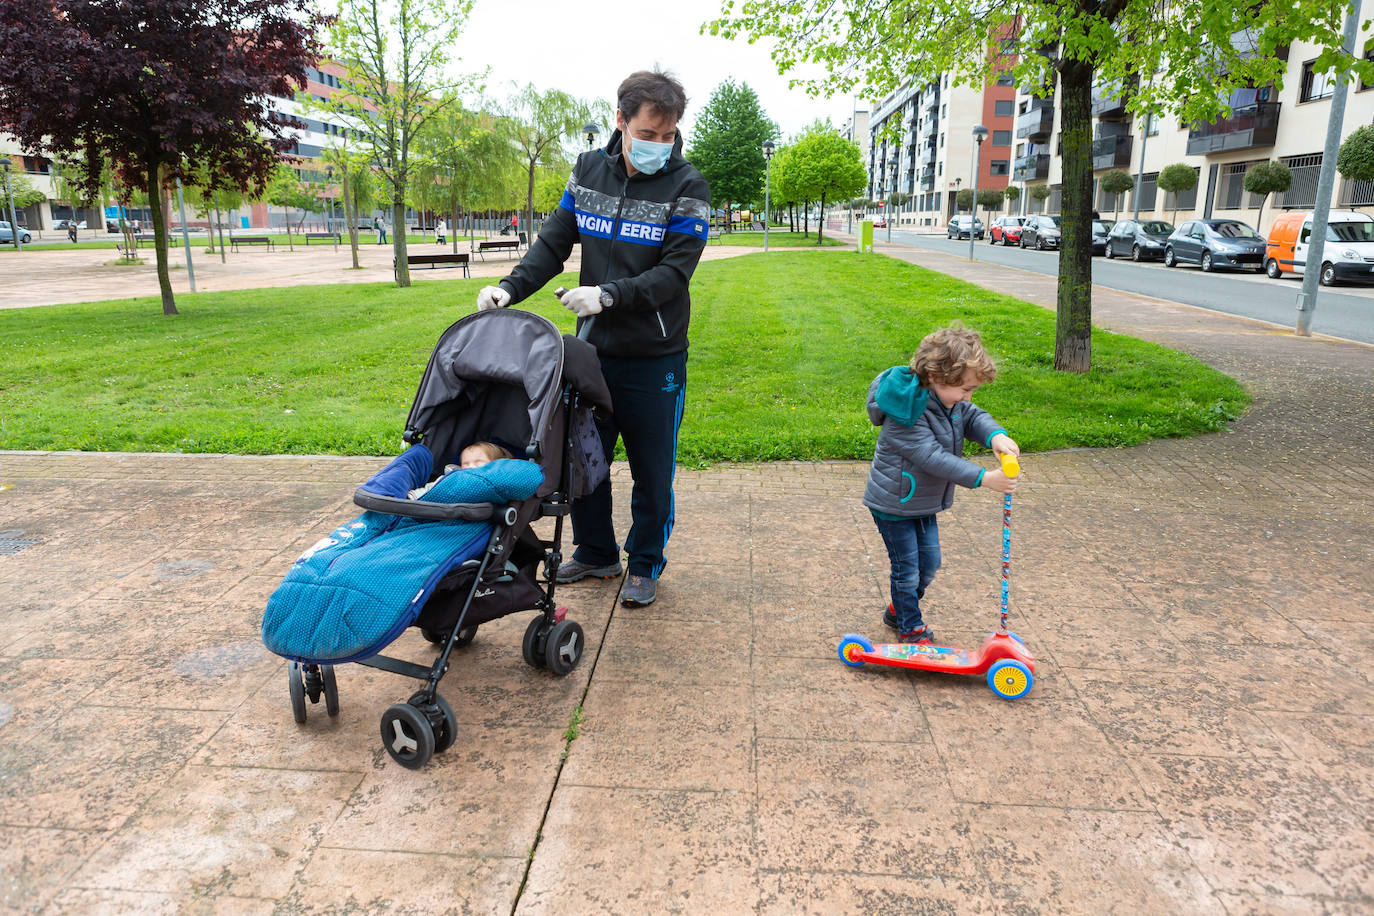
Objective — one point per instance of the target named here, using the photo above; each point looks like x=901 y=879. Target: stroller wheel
x=331 y=690
x=407 y=736
x=441 y=719
x=465 y=636
x=532 y=646
x=295 y=681
x=563 y=647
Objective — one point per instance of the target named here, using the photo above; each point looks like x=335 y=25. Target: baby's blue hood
x=901 y=396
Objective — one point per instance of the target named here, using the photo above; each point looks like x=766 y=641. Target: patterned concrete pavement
x=1198 y=739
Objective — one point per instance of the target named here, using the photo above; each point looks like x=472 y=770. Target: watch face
x=606 y=299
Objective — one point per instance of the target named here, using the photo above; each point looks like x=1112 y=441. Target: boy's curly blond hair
x=947 y=355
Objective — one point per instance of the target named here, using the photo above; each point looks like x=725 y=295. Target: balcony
x=932 y=102
x=1036 y=121
x=1109 y=102
x=928 y=159
x=928 y=132
x=1035 y=167
x=1111 y=153
x=1253 y=125
x=928 y=180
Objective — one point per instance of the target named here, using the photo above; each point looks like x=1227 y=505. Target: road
x=1346 y=311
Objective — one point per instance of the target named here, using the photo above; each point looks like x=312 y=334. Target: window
x=1151 y=125
x=1020 y=150
x=1004 y=108
x=1001 y=138
x=1315 y=85
x=999 y=167
x=1303 y=191
x=1005 y=79
x=944 y=110
x=1232 y=188
x=1368 y=55
x=942 y=141
x=1147 y=192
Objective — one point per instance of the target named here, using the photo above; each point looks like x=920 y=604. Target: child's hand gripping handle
x=1010 y=465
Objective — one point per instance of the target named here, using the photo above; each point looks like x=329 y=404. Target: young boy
x=925 y=415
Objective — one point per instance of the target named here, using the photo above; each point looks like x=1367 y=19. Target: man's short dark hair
x=653 y=88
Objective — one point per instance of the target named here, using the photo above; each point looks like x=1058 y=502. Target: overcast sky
x=586 y=47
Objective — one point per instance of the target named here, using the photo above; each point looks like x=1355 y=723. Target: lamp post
x=980 y=133
x=329 y=201
x=9 y=195
x=767 y=167
x=186 y=237
x=591 y=131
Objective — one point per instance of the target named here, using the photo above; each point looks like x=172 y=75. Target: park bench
x=437 y=261
x=713 y=235
x=331 y=237
x=508 y=245
x=238 y=240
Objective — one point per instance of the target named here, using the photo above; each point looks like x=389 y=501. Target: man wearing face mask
x=640 y=212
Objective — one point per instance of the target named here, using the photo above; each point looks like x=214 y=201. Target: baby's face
x=473 y=457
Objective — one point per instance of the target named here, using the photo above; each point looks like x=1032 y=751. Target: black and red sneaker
x=922 y=636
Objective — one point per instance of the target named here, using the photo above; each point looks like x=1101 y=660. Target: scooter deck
x=855 y=650
x=923 y=656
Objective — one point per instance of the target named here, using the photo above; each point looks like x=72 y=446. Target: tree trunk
x=529 y=208
x=286 y=213
x=820 y=223
x=164 y=279
x=219 y=227
x=806 y=219
x=398 y=238
x=1073 y=331
x=1259 y=216
x=351 y=215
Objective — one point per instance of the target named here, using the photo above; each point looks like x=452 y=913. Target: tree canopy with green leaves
x=539 y=124
x=1117 y=182
x=1355 y=160
x=727 y=144
x=823 y=166
x=398 y=61
x=1265 y=178
x=1187 y=60
x=1175 y=179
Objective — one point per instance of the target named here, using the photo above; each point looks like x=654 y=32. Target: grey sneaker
x=638 y=591
x=573 y=570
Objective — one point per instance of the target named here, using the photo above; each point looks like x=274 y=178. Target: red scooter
x=1009 y=666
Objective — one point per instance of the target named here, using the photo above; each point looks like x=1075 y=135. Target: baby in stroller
x=461 y=552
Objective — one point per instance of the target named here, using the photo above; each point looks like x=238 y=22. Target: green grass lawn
x=784 y=346
x=777 y=238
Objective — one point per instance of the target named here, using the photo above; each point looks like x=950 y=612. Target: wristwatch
x=607 y=300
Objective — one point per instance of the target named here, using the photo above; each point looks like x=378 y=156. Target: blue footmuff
x=355 y=591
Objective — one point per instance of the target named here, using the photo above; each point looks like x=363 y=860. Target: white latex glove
x=584 y=301
x=493 y=297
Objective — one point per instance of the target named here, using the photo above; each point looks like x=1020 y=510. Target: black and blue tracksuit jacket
x=641 y=239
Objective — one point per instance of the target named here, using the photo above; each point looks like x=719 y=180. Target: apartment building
x=1287 y=124
x=856 y=130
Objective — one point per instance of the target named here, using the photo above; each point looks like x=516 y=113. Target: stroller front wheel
x=563 y=647
x=532 y=646
x=331 y=690
x=407 y=736
x=295 y=682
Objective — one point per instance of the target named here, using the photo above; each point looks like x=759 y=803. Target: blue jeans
x=913 y=552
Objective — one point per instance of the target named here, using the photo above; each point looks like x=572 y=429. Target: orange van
x=1348 y=253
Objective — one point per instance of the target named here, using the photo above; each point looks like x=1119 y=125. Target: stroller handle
x=411 y=508
x=586 y=325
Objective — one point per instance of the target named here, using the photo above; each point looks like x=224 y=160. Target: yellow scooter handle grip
x=1010 y=466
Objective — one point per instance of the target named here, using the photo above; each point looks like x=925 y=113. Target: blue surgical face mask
x=648 y=157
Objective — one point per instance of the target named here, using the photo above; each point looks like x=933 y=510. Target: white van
x=1348 y=253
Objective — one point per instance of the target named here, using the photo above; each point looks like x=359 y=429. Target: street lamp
x=767 y=165
x=9 y=195
x=980 y=133
x=591 y=131
x=329 y=200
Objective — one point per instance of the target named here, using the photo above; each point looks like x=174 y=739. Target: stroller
x=463 y=553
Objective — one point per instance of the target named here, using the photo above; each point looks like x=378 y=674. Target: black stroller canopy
x=498 y=375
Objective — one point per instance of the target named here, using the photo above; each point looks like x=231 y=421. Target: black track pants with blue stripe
x=648 y=396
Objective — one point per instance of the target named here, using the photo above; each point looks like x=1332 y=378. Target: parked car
x=880 y=222
x=1141 y=239
x=1101 y=229
x=960 y=227
x=1005 y=230
x=1215 y=243
x=7 y=234
x=1041 y=231
x=1348 y=253
x=61 y=224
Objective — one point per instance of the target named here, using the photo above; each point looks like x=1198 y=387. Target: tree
x=727 y=144
x=964 y=199
x=1012 y=194
x=1175 y=179
x=286 y=190
x=539 y=123
x=1355 y=161
x=471 y=151
x=204 y=196
x=825 y=166
x=1040 y=192
x=1265 y=178
x=1138 y=43
x=989 y=199
x=1117 y=182
x=397 y=61
x=155 y=84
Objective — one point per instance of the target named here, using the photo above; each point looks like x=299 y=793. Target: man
x=640 y=213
